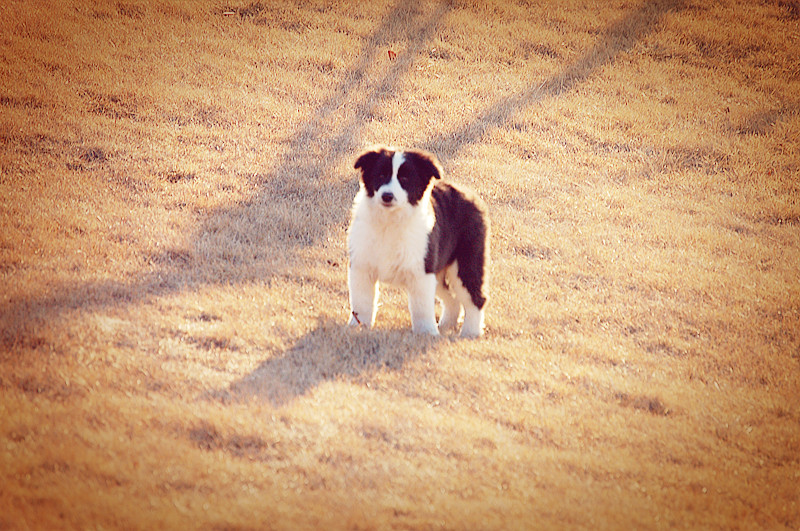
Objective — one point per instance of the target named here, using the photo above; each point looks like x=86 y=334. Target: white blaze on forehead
x=397 y=160
x=393 y=186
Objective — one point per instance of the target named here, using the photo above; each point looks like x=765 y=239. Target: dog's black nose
x=387 y=197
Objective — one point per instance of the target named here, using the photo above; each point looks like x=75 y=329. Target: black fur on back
x=461 y=233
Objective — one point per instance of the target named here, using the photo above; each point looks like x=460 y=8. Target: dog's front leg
x=421 y=304
x=363 y=296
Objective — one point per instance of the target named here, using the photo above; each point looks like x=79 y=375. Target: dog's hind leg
x=473 y=315
x=473 y=321
x=451 y=308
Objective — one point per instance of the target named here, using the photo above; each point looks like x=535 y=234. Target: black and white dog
x=410 y=229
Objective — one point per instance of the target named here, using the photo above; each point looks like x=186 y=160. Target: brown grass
x=176 y=181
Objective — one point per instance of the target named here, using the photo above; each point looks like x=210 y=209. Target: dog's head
x=394 y=178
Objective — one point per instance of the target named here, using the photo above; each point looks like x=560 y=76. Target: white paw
x=426 y=328
x=473 y=323
x=471 y=334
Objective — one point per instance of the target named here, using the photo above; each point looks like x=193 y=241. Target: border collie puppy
x=412 y=230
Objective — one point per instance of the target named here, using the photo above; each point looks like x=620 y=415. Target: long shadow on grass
x=617 y=38
x=296 y=204
x=298 y=198
x=299 y=201
x=327 y=353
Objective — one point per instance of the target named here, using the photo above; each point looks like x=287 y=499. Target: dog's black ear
x=367 y=159
x=426 y=163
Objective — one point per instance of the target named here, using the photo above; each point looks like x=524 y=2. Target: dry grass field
x=175 y=185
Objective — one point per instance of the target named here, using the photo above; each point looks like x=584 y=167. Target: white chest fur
x=390 y=243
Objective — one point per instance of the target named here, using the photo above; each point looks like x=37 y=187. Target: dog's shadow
x=329 y=352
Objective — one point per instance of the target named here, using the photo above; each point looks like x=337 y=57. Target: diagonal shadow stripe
x=296 y=204
x=300 y=369
x=618 y=38
x=331 y=133
x=334 y=131
x=408 y=22
x=287 y=182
